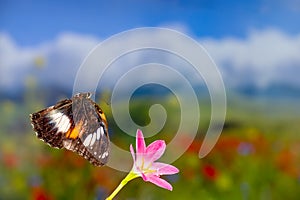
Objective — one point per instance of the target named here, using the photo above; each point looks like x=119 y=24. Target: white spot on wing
x=87 y=140
x=67 y=144
x=101 y=130
x=93 y=139
x=55 y=115
x=98 y=133
x=104 y=155
x=65 y=124
x=61 y=121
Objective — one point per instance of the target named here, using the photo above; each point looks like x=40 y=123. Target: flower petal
x=140 y=148
x=132 y=152
x=163 y=169
x=140 y=142
x=159 y=182
x=154 y=151
x=145 y=178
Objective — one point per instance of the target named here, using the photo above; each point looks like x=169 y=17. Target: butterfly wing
x=90 y=137
x=52 y=123
x=77 y=124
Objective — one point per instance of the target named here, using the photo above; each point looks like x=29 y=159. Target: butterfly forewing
x=51 y=123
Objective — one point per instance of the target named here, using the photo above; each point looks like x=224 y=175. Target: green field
x=256 y=157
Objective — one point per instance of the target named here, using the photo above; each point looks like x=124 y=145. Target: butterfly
x=77 y=124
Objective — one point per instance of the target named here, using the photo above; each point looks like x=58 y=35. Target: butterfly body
x=77 y=124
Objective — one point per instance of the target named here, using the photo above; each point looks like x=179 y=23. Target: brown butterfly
x=77 y=124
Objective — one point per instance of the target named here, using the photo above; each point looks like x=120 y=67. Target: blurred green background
x=256 y=157
x=255 y=44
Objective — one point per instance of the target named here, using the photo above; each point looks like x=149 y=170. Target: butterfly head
x=86 y=95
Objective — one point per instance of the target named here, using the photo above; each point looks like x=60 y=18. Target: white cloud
x=262 y=58
x=14 y=61
x=54 y=62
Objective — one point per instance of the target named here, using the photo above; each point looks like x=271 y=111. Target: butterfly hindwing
x=91 y=130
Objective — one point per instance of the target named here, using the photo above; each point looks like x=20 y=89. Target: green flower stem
x=128 y=178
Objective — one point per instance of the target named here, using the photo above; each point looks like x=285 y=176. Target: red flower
x=10 y=160
x=39 y=193
x=210 y=172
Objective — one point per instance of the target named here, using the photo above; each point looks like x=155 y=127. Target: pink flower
x=144 y=164
x=144 y=161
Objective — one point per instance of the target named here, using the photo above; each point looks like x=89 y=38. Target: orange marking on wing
x=74 y=133
x=102 y=115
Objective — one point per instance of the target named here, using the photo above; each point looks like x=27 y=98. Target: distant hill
x=53 y=93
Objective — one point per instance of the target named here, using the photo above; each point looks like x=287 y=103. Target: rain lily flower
x=144 y=164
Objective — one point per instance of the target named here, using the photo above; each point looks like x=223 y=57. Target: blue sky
x=33 y=21
x=256 y=42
